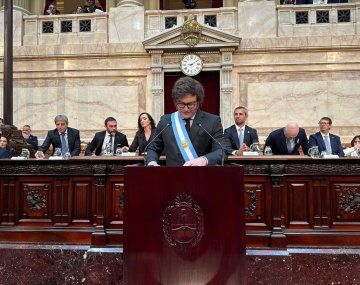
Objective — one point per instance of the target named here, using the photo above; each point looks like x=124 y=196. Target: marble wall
x=281 y=78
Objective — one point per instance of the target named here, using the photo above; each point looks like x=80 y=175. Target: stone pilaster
x=130 y=3
x=152 y=5
x=37 y=7
x=157 y=88
x=230 y=3
x=25 y=4
x=110 y=4
x=226 y=86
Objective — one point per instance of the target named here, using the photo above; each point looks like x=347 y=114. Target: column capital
x=130 y=3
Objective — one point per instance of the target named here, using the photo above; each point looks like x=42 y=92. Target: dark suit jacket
x=98 y=140
x=141 y=142
x=6 y=153
x=33 y=141
x=202 y=142
x=277 y=141
x=232 y=139
x=53 y=138
x=317 y=140
x=91 y=9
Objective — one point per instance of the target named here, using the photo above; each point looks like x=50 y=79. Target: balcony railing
x=224 y=19
x=318 y=20
x=65 y=29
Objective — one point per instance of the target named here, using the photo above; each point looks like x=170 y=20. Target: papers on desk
x=18 y=158
x=56 y=158
x=128 y=154
x=250 y=153
x=331 y=156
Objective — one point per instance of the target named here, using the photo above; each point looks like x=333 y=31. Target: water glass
x=118 y=151
x=57 y=152
x=268 y=150
x=25 y=153
x=67 y=155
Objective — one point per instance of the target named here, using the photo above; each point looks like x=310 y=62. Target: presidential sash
x=182 y=137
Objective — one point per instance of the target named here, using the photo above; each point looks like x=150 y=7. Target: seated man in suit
x=106 y=142
x=239 y=136
x=326 y=142
x=185 y=135
x=63 y=137
x=30 y=139
x=286 y=141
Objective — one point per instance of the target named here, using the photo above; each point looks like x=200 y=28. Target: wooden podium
x=184 y=225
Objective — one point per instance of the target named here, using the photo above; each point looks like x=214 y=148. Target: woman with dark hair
x=4 y=151
x=354 y=150
x=144 y=135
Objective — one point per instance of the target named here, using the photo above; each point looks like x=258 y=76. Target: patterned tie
x=241 y=137
x=327 y=144
x=64 y=146
x=289 y=145
x=187 y=124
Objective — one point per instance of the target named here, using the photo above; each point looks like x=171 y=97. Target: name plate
x=250 y=153
x=56 y=158
x=128 y=154
x=331 y=156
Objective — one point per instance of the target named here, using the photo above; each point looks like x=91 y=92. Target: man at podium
x=189 y=137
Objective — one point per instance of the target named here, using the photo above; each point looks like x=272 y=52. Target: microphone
x=215 y=140
x=154 y=138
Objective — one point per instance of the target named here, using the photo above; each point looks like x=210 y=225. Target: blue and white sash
x=182 y=137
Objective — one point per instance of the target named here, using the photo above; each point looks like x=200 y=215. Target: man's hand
x=243 y=148
x=39 y=154
x=200 y=161
x=124 y=149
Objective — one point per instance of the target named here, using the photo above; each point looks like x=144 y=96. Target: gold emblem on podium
x=191 y=31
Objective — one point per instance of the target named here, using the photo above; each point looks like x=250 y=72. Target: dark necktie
x=187 y=124
x=110 y=143
x=64 y=147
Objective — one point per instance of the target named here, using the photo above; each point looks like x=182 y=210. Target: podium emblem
x=183 y=223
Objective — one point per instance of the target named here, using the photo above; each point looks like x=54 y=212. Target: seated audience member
x=144 y=135
x=107 y=141
x=5 y=152
x=64 y=137
x=286 y=141
x=52 y=10
x=326 y=141
x=91 y=7
x=239 y=136
x=2 y=122
x=30 y=139
x=78 y=10
x=354 y=150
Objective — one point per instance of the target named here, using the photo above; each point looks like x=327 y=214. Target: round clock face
x=191 y=64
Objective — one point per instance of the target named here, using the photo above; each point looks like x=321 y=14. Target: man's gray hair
x=185 y=86
x=246 y=110
x=61 y=118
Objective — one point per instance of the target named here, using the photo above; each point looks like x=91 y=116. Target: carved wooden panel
x=117 y=207
x=299 y=206
x=61 y=202
x=81 y=202
x=35 y=200
x=346 y=207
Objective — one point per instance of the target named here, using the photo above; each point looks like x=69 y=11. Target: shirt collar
x=238 y=128
x=325 y=135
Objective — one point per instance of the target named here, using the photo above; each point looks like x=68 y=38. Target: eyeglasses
x=323 y=123
x=190 y=105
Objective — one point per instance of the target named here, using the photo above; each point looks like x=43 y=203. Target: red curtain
x=211 y=82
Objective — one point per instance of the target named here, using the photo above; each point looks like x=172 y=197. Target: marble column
x=130 y=3
x=152 y=4
x=157 y=84
x=110 y=4
x=230 y=3
x=37 y=7
x=23 y=4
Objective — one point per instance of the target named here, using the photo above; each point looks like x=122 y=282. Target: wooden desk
x=289 y=200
